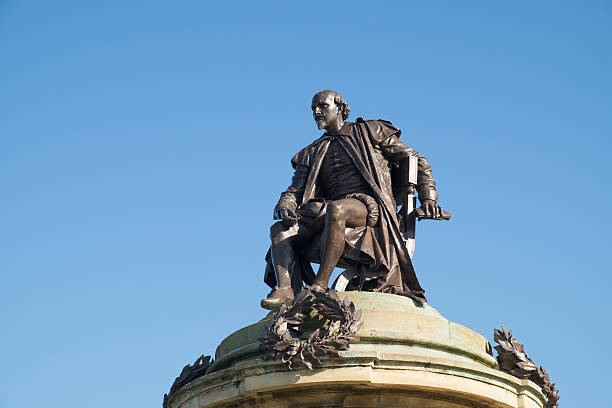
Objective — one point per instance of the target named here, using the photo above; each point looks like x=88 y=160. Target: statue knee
x=334 y=212
x=276 y=229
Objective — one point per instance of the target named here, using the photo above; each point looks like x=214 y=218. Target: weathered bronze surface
x=341 y=209
x=316 y=324
x=512 y=359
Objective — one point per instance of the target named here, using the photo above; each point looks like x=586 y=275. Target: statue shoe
x=277 y=297
x=316 y=287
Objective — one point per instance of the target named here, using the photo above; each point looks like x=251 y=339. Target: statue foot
x=315 y=287
x=277 y=297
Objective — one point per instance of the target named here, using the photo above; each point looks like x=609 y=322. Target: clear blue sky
x=144 y=144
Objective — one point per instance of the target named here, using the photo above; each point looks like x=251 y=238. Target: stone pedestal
x=407 y=357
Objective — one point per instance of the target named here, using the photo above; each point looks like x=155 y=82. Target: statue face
x=325 y=111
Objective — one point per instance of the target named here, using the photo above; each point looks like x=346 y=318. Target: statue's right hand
x=277 y=212
x=287 y=216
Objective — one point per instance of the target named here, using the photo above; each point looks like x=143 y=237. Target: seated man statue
x=341 y=206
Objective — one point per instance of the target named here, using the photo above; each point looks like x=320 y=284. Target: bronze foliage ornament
x=188 y=374
x=512 y=359
x=315 y=325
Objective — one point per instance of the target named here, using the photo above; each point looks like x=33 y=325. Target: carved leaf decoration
x=280 y=346
x=513 y=359
x=334 y=328
x=311 y=360
x=286 y=358
x=306 y=361
x=528 y=366
x=354 y=326
x=295 y=321
x=505 y=346
x=313 y=335
x=326 y=323
x=188 y=374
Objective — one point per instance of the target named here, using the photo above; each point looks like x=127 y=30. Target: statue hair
x=345 y=109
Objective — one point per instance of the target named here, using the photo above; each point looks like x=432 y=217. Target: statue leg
x=339 y=214
x=283 y=256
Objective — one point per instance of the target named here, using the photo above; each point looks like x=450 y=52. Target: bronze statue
x=341 y=208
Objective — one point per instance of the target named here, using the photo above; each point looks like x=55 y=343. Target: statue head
x=329 y=110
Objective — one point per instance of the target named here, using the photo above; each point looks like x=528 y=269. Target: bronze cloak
x=378 y=255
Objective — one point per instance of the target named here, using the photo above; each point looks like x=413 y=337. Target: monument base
x=408 y=356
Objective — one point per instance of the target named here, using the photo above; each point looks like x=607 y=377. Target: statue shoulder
x=305 y=156
x=378 y=129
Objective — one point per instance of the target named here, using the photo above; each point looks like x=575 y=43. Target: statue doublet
x=337 y=174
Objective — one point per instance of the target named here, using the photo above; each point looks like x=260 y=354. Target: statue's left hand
x=431 y=209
